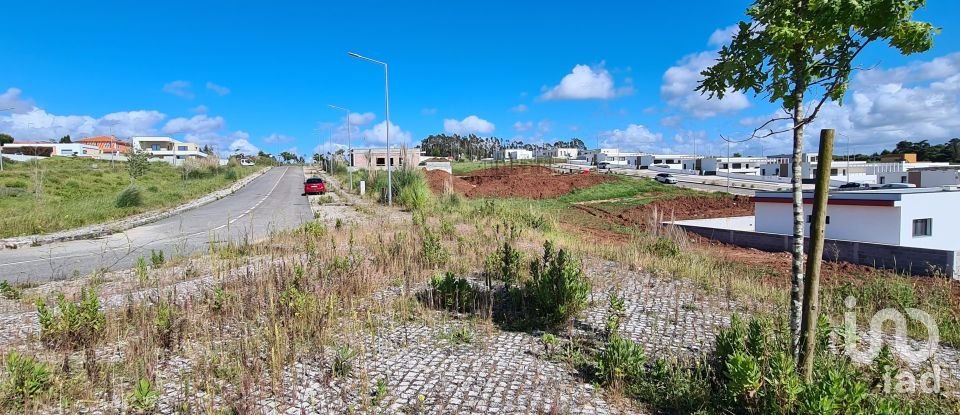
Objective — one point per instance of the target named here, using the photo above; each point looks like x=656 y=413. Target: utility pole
x=811 y=283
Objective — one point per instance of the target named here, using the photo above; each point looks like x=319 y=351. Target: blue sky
x=260 y=74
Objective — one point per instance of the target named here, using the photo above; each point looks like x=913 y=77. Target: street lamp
x=349 y=148
x=386 y=98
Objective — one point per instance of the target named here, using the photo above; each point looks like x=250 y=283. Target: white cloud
x=574 y=128
x=634 y=137
x=519 y=108
x=723 y=36
x=365 y=118
x=915 y=102
x=470 y=125
x=241 y=144
x=680 y=82
x=585 y=82
x=377 y=135
x=218 y=89
x=179 y=88
x=39 y=125
x=428 y=111
x=671 y=121
x=522 y=126
x=11 y=102
x=200 y=109
x=198 y=124
x=278 y=139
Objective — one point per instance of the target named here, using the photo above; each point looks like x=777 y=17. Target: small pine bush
x=129 y=197
x=26 y=378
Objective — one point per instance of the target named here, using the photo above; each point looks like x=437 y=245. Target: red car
x=314 y=185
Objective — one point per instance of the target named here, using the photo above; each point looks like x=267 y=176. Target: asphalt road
x=270 y=202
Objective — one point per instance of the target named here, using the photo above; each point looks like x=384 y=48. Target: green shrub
x=505 y=265
x=433 y=253
x=15 y=184
x=67 y=327
x=664 y=248
x=26 y=378
x=621 y=362
x=167 y=324
x=231 y=175
x=343 y=361
x=129 y=197
x=143 y=398
x=416 y=196
x=156 y=258
x=452 y=293
x=557 y=290
x=9 y=292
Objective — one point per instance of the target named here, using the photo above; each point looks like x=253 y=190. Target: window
x=381 y=161
x=737 y=165
x=833 y=172
x=108 y=145
x=181 y=148
x=155 y=147
x=903 y=179
x=883 y=179
x=810 y=219
x=922 y=227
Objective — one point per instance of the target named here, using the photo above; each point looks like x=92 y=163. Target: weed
x=156 y=258
x=9 y=292
x=129 y=197
x=26 y=378
x=379 y=392
x=620 y=362
x=68 y=326
x=557 y=289
x=143 y=273
x=343 y=361
x=462 y=335
x=433 y=253
x=452 y=293
x=144 y=397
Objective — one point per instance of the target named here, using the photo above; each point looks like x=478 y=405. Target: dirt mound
x=534 y=182
x=681 y=208
x=440 y=180
x=512 y=171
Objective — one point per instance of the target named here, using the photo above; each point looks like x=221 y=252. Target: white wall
x=849 y=223
x=939 y=206
x=937 y=178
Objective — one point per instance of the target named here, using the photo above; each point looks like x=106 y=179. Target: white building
x=735 y=165
x=517 y=154
x=168 y=149
x=934 y=176
x=919 y=217
x=565 y=153
x=670 y=161
x=52 y=149
x=840 y=170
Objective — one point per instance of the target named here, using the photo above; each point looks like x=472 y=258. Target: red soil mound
x=680 y=208
x=440 y=181
x=534 y=182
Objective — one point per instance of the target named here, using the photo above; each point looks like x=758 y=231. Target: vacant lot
x=63 y=193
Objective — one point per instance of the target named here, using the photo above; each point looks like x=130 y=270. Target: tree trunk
x=811 y=283
x=796 y=281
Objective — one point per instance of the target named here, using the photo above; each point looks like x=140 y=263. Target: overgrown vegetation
x=73 y=192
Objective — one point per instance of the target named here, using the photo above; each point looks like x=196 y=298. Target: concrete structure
x=52 y=149
x=840 y=170
x=168 y=149
x=671 y=161
x=107 y=144
x=934 y=176
x=918 y=261
x=919 y=217
x=517 y=154
x=376 y=158
x=611 y=156
x=437 y=164
x=736 y=165
x=564 y=153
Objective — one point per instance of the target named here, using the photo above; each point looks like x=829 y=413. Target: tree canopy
x=472 y=147
x=65 y=139
x=5 y=138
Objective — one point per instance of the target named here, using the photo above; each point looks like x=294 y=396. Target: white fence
x=669 y=170
x=754 y=178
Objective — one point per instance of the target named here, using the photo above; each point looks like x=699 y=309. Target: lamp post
x=349 y=146
x=386 y=98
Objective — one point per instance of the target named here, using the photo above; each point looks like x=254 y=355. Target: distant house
x=918 y=217
x=107 y=144
x=734 y=165
x=376 y=158
x=517 y=154
x=670 y=161
x=51 y=149
x=168 y=149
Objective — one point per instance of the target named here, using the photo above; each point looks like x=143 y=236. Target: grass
x=464 y=167
x=63 y=193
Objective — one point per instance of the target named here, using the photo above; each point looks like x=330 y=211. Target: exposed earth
x=533 y=182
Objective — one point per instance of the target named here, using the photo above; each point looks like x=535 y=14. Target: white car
x=898 y=186
x=246 y=162
x=666 y=178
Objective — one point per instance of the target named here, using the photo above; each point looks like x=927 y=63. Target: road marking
x=230 y=222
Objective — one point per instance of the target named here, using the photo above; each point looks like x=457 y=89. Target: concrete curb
x=104 y=229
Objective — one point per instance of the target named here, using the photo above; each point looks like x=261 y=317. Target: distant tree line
x=945 y=152
x=472 y=147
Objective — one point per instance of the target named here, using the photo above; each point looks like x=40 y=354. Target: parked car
x=898 y=186
x=853 y=186
x=246 y=162
x=666 y=178
x=314 y=185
